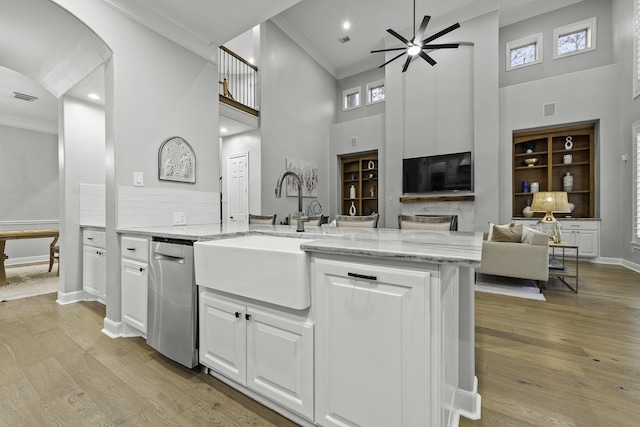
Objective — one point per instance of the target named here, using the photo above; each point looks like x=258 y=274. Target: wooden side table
x=567 y=272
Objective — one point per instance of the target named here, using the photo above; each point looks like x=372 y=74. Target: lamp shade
x=550 y=201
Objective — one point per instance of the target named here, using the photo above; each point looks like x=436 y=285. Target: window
x=375 y=92
x=351 y=98
x=524 y=52
x=636 y=48
x=574 y=38
x=636 y=183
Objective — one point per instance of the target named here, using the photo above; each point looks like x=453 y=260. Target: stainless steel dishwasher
x=172 y=314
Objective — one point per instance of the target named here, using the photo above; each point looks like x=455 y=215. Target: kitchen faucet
x=300 y=225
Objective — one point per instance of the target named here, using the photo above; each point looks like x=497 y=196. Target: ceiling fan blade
x=406 y=64
x=441 y=33
x=421 y=30
x=398 y=36
x=387 y=50
x=441 y=46
x=427 y=58
x=392 y=59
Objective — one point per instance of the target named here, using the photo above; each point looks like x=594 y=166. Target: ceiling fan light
x=413 y=50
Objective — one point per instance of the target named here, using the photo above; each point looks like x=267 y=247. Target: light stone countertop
x=440 y=247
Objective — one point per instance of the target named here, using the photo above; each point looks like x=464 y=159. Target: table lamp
x=550 y=202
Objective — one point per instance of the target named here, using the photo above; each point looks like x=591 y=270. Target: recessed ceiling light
x=346 y=25
x=94 y=96
x=223 y=130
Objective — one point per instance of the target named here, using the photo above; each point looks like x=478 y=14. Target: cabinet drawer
x=94 y=238
x=135 y=248
x=579 y=225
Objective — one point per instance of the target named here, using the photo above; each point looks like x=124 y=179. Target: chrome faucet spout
x=296 y=178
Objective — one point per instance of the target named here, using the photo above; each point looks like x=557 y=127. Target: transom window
x=351 y=98
x=574 y=38
x=524 y=52
x=375 y=92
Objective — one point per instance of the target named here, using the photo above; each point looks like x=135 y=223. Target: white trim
x=470 y=402
x=636 y=48
x=618 y=261
x=112 y=329
x=373 y=85
x=28 y=124
x=28 y=259
x=29 y=222
x=348 y=92
x=635 y=192
x=65 y=298
x=587 y=24
x=535 y=39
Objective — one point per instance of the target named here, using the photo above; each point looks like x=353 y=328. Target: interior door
x=238 y=187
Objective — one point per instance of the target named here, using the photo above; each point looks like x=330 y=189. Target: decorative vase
x=352 y=192
x=526 y=212
x=535 y=187
x=352 y=209
x=567 y=182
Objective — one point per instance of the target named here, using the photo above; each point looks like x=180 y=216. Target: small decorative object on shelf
x=568 y=143
x=352 y=192
x=567 y=158
x=529 y=147
x=527 y=212
x=535 y=187
x=525 y=186
x=371 y=164
x=567 y=182
x=531 y=161
x=371 y=192
x=352 y=209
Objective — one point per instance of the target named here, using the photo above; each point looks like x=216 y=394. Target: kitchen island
x=388 y=337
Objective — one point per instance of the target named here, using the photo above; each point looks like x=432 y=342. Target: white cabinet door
x=134 y=281
x=94 y=272
x=223 y=337
x=588 y=243
x=280 y=360
x=371 y=348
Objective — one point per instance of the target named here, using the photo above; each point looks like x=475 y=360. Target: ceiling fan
x=417 y=45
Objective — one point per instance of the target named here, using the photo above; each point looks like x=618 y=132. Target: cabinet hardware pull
x=141 y=269
x=89 y=238
x=238 y=314
x=131 y=249
x=247 y=316
x=362 y=276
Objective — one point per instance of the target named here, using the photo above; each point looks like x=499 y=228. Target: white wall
x=361 y=80
x=155 y=90
x=81 y=160
x=298 y=107
x=247 y=142
x=29 y=188
x=369 y=132
x=436 y=109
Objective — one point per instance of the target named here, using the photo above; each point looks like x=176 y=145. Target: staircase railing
x=238 y=80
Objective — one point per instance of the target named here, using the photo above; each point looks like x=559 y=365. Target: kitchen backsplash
x=144 y=206
x=92 y=207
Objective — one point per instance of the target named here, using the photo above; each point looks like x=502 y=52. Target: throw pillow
x=527 y=235
x=507 y=233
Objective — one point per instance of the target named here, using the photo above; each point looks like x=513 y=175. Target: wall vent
x=344 y=39
x=23 y=96
x=549 y=109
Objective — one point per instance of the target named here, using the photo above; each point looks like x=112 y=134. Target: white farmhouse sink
x=266 y=268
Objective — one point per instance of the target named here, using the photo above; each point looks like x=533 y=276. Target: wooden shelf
x=356 y=166
x=418 y=199
x=551 y=169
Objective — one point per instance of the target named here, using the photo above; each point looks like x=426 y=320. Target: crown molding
x=38 y=126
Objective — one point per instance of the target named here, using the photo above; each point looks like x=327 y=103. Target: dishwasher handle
x=170 y=258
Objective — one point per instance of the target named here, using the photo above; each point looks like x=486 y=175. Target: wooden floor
x=573 y=360
x=58 y=369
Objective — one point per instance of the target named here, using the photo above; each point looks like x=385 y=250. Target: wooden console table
x=21 y=234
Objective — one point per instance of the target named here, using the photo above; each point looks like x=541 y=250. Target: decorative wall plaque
x=176 y=161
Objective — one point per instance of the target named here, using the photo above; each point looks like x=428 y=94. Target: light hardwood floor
x=571 y=361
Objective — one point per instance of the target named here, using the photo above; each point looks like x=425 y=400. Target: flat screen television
x=441 y=173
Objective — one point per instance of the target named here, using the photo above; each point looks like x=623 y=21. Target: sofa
x=527 y=258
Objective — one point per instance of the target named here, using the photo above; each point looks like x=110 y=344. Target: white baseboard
x=619 y=261
x=112 y=329
x=65 y=298
x=470 y=402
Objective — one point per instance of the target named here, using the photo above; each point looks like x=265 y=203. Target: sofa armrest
x=525 y=261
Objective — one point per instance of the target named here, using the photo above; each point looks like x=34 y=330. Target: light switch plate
x=138 y=179
x=179 y=218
